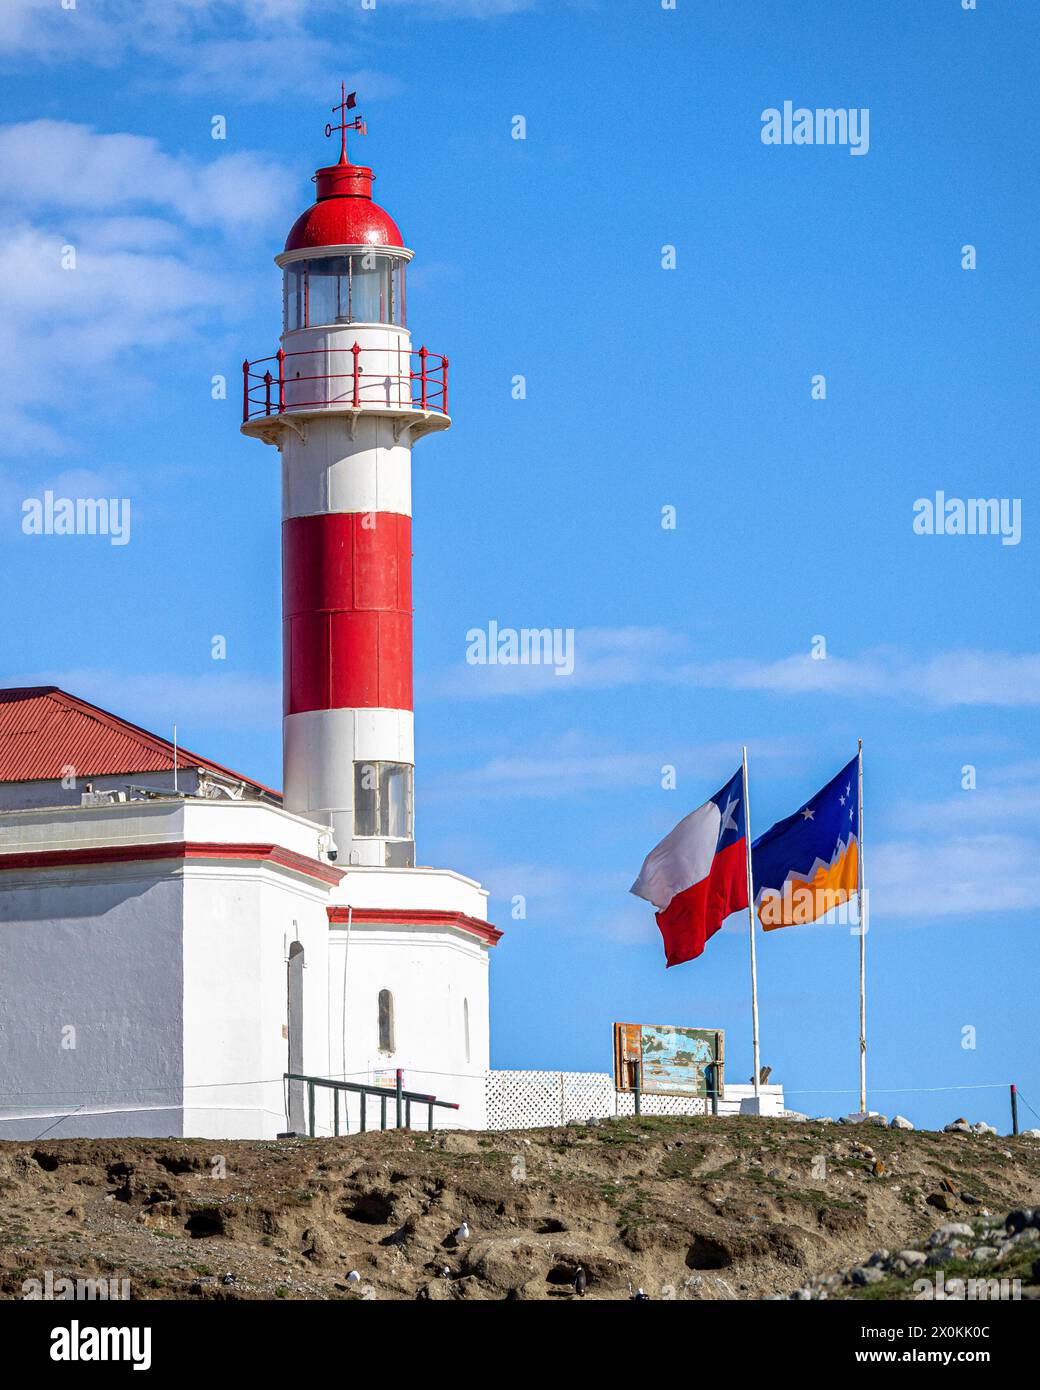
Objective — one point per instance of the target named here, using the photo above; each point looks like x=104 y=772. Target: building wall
x=18 y=796
x=432 y=976
x=172 y=973
x=238 y=927
x=432 y=973
x=97 y=952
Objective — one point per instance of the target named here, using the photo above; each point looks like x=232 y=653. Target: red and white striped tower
x=344 y=399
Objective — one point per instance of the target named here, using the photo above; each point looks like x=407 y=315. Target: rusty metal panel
x=674 y=1060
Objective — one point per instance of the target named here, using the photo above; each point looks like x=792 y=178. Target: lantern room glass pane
x=395 y=795
x=383 y=800
x=367 y=287
x=366 y=798
x=400 y=307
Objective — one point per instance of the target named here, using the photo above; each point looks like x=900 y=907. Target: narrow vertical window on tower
x=465 y=1026
x=386 y=1021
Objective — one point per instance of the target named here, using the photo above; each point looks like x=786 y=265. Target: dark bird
x=228 y=1279
x=581 y=1282
x=640 y=1296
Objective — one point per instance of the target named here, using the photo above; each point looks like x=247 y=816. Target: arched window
x=386 y=1021
x=465 y=1025
x=295 y=968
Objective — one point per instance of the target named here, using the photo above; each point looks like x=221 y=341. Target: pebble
x=1029 y=1236
x=945 y=1234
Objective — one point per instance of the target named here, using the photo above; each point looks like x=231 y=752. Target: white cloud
x=963 y=677
x=463 y=9
x=574 y=765
x=251 y=50
x=962 y=876
x=149 y=232
x=613 y=658
x=58 y=166
x=62 y=329
x=101 y=31
x=604 y=658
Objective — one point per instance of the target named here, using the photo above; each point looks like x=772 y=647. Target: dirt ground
x=683 y=1208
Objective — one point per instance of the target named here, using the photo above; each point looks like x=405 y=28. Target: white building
x=175 y=937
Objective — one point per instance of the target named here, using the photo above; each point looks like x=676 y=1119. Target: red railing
x=289 y=381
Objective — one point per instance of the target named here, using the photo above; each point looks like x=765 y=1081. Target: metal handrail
x=402 y=1101
x=263 y=394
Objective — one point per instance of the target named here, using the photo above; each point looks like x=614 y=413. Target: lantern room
x=344 y=261
x=345 y=343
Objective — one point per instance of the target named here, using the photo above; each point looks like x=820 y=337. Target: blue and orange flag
x=809 y=863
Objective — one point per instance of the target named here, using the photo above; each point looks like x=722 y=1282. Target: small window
x=465 y=1025
x=383 y=800
x=386 y=1021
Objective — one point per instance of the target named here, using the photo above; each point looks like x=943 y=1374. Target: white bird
x=463 y=1232
x=353 y=1277
x=445 y=1272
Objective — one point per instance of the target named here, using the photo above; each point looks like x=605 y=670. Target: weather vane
x=347 y=102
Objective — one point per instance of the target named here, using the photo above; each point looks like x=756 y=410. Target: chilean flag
x=697 y=875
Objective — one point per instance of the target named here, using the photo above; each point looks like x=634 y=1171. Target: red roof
x=344 y=214
x=44 y=730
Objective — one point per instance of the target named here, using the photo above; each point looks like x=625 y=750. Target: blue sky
x=645 y=388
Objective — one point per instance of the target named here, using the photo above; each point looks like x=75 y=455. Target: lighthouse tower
x=344 y=399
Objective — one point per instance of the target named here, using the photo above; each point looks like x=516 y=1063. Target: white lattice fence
x=660 y=1105
x=535 y=1099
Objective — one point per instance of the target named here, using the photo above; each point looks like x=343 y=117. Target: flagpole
x=751 y=923
x=862 y=945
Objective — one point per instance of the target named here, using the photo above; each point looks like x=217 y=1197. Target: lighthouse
x=345 y=398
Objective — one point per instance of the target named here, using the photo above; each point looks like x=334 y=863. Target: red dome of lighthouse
x=344 y=214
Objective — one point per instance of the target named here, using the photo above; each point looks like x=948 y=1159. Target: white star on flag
x=728 y=822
